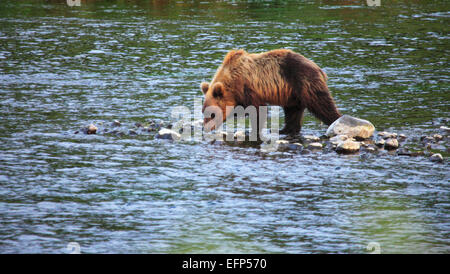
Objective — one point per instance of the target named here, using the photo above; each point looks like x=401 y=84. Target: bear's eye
x=213 y=116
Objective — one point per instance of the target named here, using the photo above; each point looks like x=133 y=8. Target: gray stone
x=167 y=134
x=310 y=138
x=380 y=142
x=295 y=146
x=352 y=127
x=437 y=137
x=391 y=143
x=437 y=157
x=338 y=139
x=282 y=144
x=315 y=145
x=116 y=123
x=91 y=129
x=445 y=129
x=404 y=152
x=348 y=146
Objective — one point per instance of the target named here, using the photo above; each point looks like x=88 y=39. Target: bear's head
x=218 y=104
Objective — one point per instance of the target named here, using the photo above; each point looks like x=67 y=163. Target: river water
x=62 y=68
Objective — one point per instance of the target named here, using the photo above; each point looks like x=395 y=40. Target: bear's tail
x=319 y=101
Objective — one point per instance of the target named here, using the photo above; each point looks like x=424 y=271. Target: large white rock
x=352 y=127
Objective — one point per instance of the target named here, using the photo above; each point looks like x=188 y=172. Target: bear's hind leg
x=293 y=117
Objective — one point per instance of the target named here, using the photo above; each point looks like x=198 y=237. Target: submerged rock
x=437 y=157
x=116 y=123
x=168 y=134
x=352 y=127
x=348 y=146
x=404 y=152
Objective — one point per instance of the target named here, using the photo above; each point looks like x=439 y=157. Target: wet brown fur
x=278 y=77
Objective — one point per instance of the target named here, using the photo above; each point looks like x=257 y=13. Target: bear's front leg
x=293 y=120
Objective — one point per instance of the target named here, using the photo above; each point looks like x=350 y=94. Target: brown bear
x=279 y=77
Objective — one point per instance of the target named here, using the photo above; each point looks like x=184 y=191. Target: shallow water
x=64 y=67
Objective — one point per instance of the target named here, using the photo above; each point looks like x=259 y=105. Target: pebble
x=348 y=147
x=91 y=129
x=315 y=145
x=295 y=146
x=310 y=138
x=445 y=129
x=391 y=143
x=338 y=138
x=168 y=134
x=380 y=142
x=437 y=157
x=437 y=137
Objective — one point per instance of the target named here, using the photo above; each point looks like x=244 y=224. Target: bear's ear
x=218 y=90
x=204 y=87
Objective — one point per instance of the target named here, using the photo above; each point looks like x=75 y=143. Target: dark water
x=64 y=67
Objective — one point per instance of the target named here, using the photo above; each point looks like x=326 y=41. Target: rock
x=167 y=134
x=370 y=149
x=427 y=139
x=445 y=130
x=391 y=143
x=315 y=145
x=132 y=132
x=348 y=146
x=380 y=142
x=437 y=137
x=310 y=138
x=352 y=127
x=387 y=135
x=295 y=146
x=91 y=129
x=437 y=157
x=403 y=152
x=402 y=137
x=281 y=144
x=116 y=123
x=138 y=124
x=338 y=139
x=239 y=135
